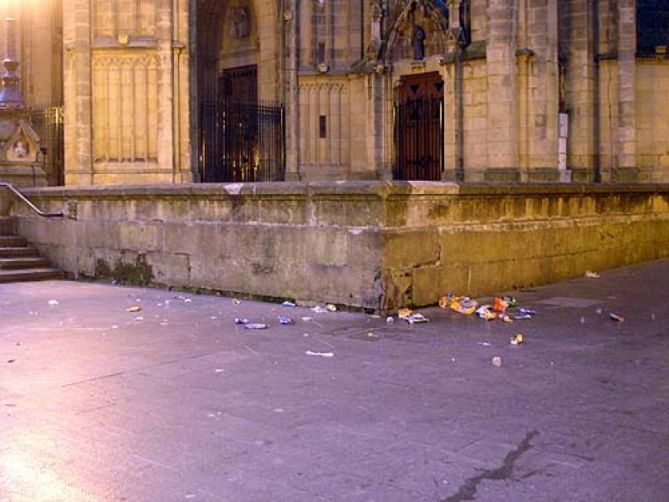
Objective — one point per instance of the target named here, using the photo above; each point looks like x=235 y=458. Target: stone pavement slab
x=176 y=402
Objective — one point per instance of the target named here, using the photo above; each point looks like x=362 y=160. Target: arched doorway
x=241 y=137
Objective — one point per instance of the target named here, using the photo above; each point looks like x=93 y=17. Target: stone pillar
x=292 y=110
x=165 y=86
x=502 y=109
x=77 y=93
x=376 y=101
x=581 y=82
x=626 y=170
x=453 y=99
x=539 y=91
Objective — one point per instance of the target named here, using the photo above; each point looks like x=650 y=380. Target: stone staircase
x=18 y=260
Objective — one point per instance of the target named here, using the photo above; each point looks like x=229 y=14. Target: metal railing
x=32 y=206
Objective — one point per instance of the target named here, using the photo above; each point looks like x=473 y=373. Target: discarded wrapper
x=500 y=305
x=517 y=339
x=460 y=304
x=592 y=275
x=256 y=326
x=331 y=308
x=485 y=312
x=497 y=361
x=241 y=321
x=616 y=317
x=288 y=304
x=134 y=308
x=404 y=313
x=319 y=354
x=390 y=319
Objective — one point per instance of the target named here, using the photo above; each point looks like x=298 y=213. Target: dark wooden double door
x=419 y=127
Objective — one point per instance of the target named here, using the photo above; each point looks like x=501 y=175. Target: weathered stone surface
x=431 y=239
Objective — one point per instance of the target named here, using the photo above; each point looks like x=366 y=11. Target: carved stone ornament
x=21 y=149
x=240 y=23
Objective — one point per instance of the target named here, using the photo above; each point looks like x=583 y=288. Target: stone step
x=15 y=263
x=30 y=274
x=17 y=252
x=11 y=241
x=7 y=225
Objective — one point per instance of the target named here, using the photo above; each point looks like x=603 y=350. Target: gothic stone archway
x=240 y=123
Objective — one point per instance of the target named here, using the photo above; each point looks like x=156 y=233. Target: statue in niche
x=21 y=149
x=240 y=23
x=418 y=41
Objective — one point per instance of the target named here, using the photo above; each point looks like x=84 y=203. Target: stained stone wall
x=372 y=245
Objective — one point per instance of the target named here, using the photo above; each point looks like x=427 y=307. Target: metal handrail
x=30 y=204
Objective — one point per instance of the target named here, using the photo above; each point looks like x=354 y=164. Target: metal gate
x=419 y=138
x=241 y=142
x=48 y=124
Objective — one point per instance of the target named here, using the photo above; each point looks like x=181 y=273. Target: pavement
x=175 y=402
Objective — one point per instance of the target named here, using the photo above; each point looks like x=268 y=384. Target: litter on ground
x=591 y=275
x=616 y=317
x=319 y=354
x=517 y=339
x=285 y=320
x=134 y=308
x=256 y=326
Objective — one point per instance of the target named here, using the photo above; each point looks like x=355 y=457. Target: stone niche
x=19 y=150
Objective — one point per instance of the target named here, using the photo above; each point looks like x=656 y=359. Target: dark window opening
x=652 y=25
x=322 y=127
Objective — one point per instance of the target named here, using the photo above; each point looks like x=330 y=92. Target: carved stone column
x=292 y=110
x=627 y=169
x=502 y=91
x=453 y=99
x=77 y=93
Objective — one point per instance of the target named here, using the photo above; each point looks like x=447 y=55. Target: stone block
x=407 y=249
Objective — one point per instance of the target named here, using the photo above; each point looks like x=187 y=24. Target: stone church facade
x=178 y=91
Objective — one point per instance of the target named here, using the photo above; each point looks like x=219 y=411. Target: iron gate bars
x=241 y=142
x=48 y=124
x=419 y=139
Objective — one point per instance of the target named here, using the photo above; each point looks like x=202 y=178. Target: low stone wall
x=372 y=245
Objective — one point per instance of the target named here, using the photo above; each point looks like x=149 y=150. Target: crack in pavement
x=468 y=489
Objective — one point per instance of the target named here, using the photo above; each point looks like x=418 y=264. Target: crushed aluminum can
x=416 y=319
x=285 y=320
x=511 y=301
x=256 y=326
